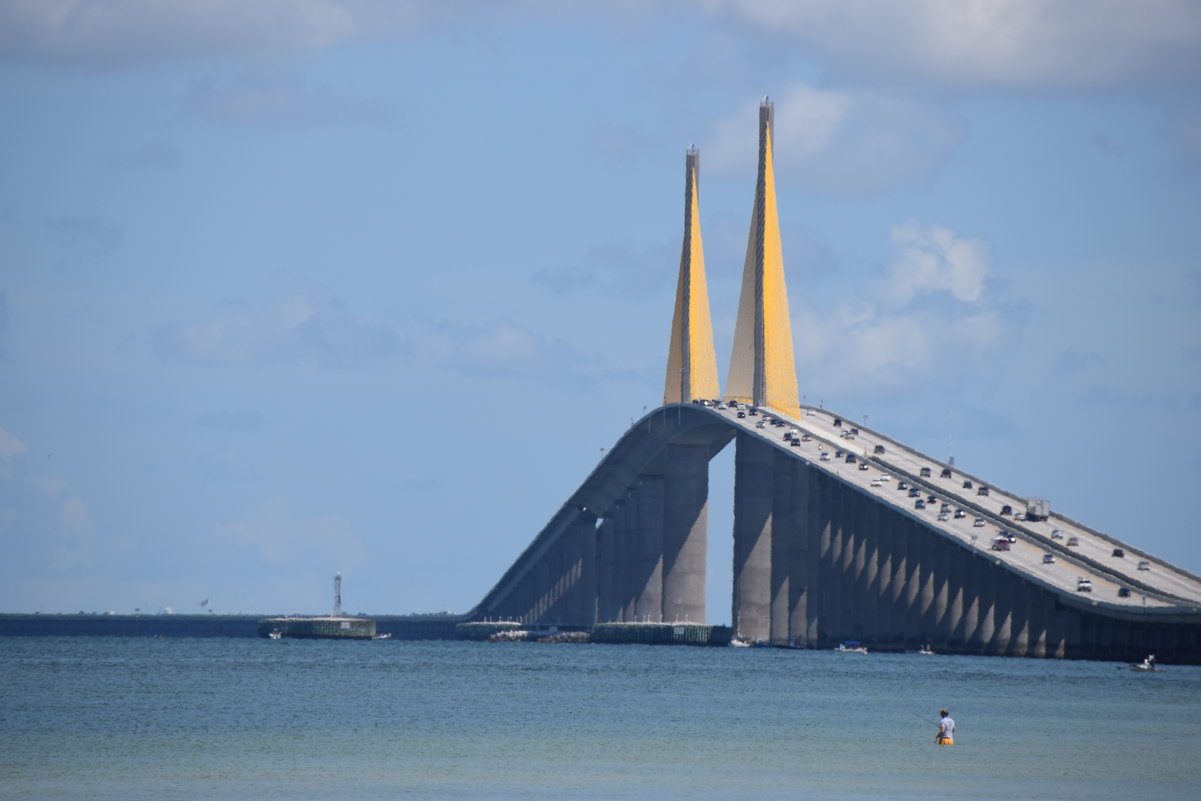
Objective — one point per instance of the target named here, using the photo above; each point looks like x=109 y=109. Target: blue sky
x=296 y=287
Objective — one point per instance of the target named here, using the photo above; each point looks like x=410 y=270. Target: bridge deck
x=1160 y=585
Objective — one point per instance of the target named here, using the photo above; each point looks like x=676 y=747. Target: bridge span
x=839 y=532
x=825 y=551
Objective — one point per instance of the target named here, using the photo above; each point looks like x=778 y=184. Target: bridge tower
x=762 y=367
x=691 y=362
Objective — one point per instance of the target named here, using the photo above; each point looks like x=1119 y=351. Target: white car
x=876 y=482
x=978 y=522
x=1057 y=534
x=885 y=477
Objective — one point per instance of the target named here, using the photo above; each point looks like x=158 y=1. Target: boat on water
x=926 y=650
x=1147 y=665
x=382 y=636
x=851 y=647
x=275 y=634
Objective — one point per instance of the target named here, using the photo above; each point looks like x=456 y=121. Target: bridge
x=839 y=532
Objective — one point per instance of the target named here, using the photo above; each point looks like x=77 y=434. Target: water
x=106 y=718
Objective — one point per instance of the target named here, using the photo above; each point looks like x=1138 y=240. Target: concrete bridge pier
x=685 y=532
x=754 y=493
x=648 y=556
x=801 y=579
x=784 y=535
x=606 y=594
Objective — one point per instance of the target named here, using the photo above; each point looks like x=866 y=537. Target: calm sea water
x=103 y=718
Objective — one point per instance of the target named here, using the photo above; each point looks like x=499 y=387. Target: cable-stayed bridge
x=839 y=532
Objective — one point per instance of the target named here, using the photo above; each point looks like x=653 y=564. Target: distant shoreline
x=401 y=627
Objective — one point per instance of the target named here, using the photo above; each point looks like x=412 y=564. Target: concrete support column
x=784 y=534
x=827 y=582
x=955 y=607
x=986 y=589
x=629 y=554
x=1002 y=638
x=685 y=532
x=800 y=556
x=874 y=629
x=885 y=526
x=753 y=495
x=834 y=610
x=648 y=550
x=817 y=520
x=913 y=632
x=857 y=584
x=606 y=603
x=941 y=546
x=583 y=550
x=902 y=591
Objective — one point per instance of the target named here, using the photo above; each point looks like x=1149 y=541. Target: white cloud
x=897 y=340
x=1007 y=43
x=301 y=325
x=121 y=32
x=841 y=142
x=10 y=446
x=933 y=259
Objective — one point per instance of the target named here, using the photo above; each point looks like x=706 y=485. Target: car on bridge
x=978 y=522
x=1057 y=534
x=1119 y=553
x=1144 y=565
x=825 y=457
x=1048 y=559
x=1001 y=543
x=1084 y=585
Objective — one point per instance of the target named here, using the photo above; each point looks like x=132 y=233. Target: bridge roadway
x=569 y=572
x=1161 y=584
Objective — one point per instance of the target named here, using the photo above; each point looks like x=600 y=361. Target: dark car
x=878 y=449
x=851 y=458
x=982 y=489
x=946 y=472
x=924 y=472
x=1118 y=552
x=967 y=485
x=919 y=504
x=838 y=422
x=901 y=485
x=1123 y=592
x=915 y=493
x=1006 y=509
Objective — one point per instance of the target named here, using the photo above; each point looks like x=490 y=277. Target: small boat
x=1147 y=665
x=275 y=634
x=926 y=650
x=382 y=636
x=851 y=647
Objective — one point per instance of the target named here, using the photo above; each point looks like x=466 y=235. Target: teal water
x=107 y=718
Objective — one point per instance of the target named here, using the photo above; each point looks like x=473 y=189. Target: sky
x=297 y=287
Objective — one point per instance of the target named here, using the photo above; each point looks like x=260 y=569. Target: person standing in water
x=946 y=728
